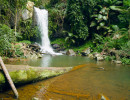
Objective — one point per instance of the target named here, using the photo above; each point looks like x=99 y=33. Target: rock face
x=28 y=12
x=70 y=52
x=32 y=51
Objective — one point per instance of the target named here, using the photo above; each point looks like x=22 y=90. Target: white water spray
x=42 y=22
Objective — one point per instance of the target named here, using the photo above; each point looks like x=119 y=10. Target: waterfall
x=42 y=22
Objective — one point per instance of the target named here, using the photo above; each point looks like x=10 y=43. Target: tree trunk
x=8 y=77
x=16 y=18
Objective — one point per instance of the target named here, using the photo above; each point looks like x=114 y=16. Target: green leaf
x=98 y=27
x=95 y=15
x=116 y=8
x=106 y=1
x=102 y=10
x=102 y=24
x=118 y=2
x=93 y=24
x=100 y=16
x=105 y=18
x=67 y=38
x=70 y=34
x=73 y=40
x=115 y=27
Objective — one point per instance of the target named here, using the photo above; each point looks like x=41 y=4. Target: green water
x=54 y=61
x=85 y=83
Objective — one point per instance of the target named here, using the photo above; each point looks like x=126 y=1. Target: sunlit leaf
x=102 y=10
x=67 y=38
x=104 y=17
x=115 y=27
x=116 y=8
x=98 y=27
x=100 y=16
x=93 y=24
x=102 y=24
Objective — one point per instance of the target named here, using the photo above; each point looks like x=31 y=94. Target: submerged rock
x=34 y=98
x=102 y=97
x=70 y=52
x=101 y=68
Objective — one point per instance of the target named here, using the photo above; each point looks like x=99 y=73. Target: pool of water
x=85 y=83
x=54 y=61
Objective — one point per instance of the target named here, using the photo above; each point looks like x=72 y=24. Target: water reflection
x=54 y=61
x=46 y=61
x=113 y=81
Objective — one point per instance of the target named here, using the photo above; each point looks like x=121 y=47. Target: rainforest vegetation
x=101 y=25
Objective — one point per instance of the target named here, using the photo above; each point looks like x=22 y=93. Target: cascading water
x=42 y=22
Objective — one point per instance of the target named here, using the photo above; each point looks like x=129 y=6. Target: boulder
x=98 y=56
x=63 y=52
x=70 y=52
x=35 y=47
x=90 y=56
x=25 y=14
x=39 y=55
x=28 y=12
x=56 y=46
x=118 y=62
x=86 y=52
x=29 y=6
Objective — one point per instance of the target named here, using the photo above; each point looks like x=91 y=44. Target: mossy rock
x=21 y=77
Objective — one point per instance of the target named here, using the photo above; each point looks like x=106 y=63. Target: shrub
x=125 y=61
x=6 y=38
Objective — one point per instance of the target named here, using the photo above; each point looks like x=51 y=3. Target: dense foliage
x=7 y=36
x=101 y=24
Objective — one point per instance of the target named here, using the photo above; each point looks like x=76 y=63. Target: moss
x=2 y=78
x=2 y=81
x=25 y=41
x=31 y=75
x=19 y=76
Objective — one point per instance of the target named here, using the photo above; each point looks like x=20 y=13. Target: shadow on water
x=84 y=82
